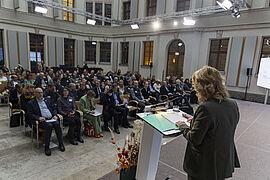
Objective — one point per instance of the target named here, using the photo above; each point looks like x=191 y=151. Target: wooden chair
x=163 y=98
x=133 y=105
x=40 y=130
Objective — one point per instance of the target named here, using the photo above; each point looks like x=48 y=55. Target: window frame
x=99 y=22
x=89 y=50
x=2 y=47
x=124 y=54
x=87 y=10
x=67 y=58
x=108 y=13
x=151 y=4
x=126 y=11
x=150 y=56
x=104 y=51
x=185 y=5
x=69 y=15
x=218 y=52
x=33 y=39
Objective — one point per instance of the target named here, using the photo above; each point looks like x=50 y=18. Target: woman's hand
x=189 y=119
x=179 y=123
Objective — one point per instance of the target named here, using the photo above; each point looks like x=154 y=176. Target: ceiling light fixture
x=177 y=53
x=134 y=26
x=188 y=21
x=236 y=12
x=226 y=4
x=180 y=44
x=91 y=22
x=40 y=9
x=94 y=42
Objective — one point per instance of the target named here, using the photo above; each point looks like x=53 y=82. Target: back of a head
x=208 y=83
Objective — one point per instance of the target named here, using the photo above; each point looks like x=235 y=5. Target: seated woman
x=147 y=93
x=87 y=106
x=66 y=107
x=27 y=95
x=121 y=87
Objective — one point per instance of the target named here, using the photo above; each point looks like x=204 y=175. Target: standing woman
x=211 y=152
x=87 y=106
x=66 y=107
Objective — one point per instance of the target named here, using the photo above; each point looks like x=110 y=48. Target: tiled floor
x=20 y=159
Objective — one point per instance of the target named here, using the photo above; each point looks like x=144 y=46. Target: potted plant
x=128 y=154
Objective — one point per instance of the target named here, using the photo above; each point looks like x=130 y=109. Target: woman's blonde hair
x=208 y=83
x=26 y=89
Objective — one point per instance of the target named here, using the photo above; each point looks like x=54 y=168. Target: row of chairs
x=133 y=106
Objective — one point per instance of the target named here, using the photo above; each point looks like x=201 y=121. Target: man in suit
x=136 y=94
x=98 y=89
x=165 y=89
x=119 y=107
x=40 y=109
x=41 y=81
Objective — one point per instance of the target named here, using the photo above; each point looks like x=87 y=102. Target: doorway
x=176 y=53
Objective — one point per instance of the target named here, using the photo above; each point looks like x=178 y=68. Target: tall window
x=98 y=11
x=105 y=52
x=126 y=10
x=218 y=53
x=1 y=50
x=69 y=52
x=125 y=49
x=182 y=5
x=36 y=51
x=68 y=16
x=108 y=13
x=31 y=8
x=90 y=51
x=89 y=8
x=151 y=7
x=265 y=52
x=148 y=53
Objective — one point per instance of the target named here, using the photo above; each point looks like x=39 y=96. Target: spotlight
x=156 y=24
x=226 y=4
x=91 y=21
x=177 y=53
x=180 y=44
x=94 y=42
x=188 y=21
x=134 y=26
x=41 y=9
x=175 y=23
x=236 y=12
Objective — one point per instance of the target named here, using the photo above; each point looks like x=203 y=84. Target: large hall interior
x=95 y=89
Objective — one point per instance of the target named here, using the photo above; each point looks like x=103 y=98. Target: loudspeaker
x=249 y=71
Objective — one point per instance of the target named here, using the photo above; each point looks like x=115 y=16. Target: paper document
x=174 y=117
x=51 y=120
x=125 y=101
x=98 y=111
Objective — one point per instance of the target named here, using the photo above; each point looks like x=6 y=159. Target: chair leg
x=37 y=137
x=32 y=132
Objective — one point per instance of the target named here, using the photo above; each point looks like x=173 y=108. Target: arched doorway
x=176 y=53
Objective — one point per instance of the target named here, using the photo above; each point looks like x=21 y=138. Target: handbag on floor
x=89 y=130
x=16 y=119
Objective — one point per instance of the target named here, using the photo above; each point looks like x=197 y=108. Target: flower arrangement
x=129 y=153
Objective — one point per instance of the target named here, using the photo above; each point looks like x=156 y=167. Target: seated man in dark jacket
x=41 y=110
x=66 y=107
x=108 y=102
x=136 y=94
x=51 y=94
x=41 y=81
x=120 y=107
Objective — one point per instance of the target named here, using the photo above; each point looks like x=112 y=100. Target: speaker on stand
x=249 y=74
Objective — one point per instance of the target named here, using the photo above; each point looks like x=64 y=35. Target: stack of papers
x=174 y=117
